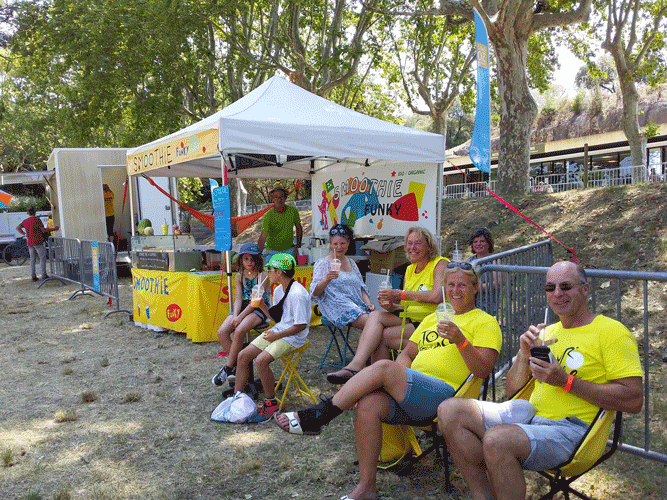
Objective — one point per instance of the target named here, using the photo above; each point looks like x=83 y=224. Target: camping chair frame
x=589 y=454
x=344 y=334
x=470 y=388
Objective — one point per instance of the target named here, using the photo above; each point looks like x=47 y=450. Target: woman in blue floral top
x=341 y=295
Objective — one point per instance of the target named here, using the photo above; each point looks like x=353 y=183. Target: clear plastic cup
x=165 y=229
x=444 y=312
x=256 y=296
x=335 y=265
x=384 y=285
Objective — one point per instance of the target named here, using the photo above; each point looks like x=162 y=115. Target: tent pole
x=227 y=254
x=438 y=206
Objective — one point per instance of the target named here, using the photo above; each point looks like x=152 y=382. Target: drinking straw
x=386 y=280
x=546 y=314
x=443 y=295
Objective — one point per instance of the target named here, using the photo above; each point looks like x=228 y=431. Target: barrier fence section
x=90 y=264
x=515 y=300
x=622 y=295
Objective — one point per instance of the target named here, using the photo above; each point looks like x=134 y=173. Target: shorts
x=277 y=348
x=552 y=442
x=419 y=406
x=264 y=321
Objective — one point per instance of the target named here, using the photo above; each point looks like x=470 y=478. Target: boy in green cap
x=291 y=311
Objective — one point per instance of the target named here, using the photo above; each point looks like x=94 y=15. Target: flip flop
x=332 y=378
x=295 y=426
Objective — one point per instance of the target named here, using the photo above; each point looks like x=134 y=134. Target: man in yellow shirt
x=108 y=210
x=594 y=363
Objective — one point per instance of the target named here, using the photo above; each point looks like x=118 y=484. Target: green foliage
x=189 y=189
x=596 y=107
x=31 y=495
x=21 y=203
x=7 y=457
x=578 y=103
x=651 y=130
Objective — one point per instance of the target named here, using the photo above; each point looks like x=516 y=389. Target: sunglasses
x=465 y=266
x=564 y=287
x=338 y=231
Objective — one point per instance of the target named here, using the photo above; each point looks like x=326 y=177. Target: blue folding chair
x=344 y=334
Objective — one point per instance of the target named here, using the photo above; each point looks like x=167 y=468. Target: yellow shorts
x=277 y=348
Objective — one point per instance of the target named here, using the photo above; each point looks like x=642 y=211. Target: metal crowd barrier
x=515 y=300
x=89 y=264
x=617 y=294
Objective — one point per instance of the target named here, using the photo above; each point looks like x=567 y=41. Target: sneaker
x=34 y=278
x=231 y=377
x=266 y=412
x=221 y=376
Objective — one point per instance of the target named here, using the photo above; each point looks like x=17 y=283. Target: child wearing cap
x=291 y=311
x=243 y=317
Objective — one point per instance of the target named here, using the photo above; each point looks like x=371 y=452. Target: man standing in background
x=277 y=227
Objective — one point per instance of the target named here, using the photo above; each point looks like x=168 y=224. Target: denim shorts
x=419 y=406
x=552 y=442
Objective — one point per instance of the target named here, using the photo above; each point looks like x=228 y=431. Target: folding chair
x=291 y=363
x=344 y=334
x=470 y=388
x=590 y=452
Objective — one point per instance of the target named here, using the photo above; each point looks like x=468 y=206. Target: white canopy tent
x=280 y=131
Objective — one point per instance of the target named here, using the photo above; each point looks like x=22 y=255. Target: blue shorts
x=419 y=406
x=552 y=442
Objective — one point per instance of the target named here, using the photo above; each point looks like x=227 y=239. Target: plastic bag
x=236 y=409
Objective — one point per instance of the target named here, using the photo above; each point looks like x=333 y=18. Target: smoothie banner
x=385 y=198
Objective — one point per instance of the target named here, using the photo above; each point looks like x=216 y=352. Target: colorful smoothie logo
x=364 y=200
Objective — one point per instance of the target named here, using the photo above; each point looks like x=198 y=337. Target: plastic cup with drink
x=384 y=285
x=444 y=312
x=256 y=296
x=335 y=265
x=165 y=229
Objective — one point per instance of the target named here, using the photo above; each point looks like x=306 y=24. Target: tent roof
x=280 y=118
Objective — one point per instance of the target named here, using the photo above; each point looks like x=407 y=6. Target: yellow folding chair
x=590 y=452
x=470 y=388
x=290 y=373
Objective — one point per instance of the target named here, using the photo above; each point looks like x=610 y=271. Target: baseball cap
x=282 y=261
x=278 y=187
x=249 y=248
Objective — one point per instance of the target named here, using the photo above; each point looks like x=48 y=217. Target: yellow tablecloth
x=192 y=303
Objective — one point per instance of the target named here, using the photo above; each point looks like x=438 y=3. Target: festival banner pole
x=480 y=145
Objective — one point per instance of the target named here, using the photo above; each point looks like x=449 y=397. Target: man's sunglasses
x=565 y=287
x=465 y=266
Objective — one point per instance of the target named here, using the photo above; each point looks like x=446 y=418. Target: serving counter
x=193 y=303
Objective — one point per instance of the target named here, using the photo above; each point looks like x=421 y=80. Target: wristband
x=568 y=384
x=465 y=344
x=403 y=295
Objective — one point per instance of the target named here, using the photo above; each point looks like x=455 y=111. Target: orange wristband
x=568 y=384
x=403 y=295
x=464 y=345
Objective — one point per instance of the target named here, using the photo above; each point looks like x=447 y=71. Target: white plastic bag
x=236 y=409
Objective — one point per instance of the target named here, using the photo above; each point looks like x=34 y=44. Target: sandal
x=333 y=378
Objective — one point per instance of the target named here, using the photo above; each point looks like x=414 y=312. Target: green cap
x=282 y=261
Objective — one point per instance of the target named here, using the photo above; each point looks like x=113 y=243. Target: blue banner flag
x=222 y=218
x=480 y=146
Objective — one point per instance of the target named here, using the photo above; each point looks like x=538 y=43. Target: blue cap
x=249 y=248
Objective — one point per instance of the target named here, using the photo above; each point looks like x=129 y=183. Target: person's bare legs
x=460 y=423
x=369 y=340
x=243 y=362
x=391 y=339
x=240 y=333
x=265 y=373
x=386 y=375
x=505 y=448
x=371 y=411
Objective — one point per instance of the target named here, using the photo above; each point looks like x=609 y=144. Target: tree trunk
x=630 y=122
x=517 y=113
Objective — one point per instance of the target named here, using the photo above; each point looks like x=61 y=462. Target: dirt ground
x=96 y=408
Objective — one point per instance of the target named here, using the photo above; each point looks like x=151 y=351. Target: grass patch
x=65 y=415
x=7 y=457
x=67 y=370
x=31 y=495
x=88 y=397
x=104 y=362
x=132 y=397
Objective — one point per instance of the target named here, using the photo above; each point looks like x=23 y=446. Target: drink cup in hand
x=385 y=285
x=541 y=352
x=444 y=312
x=256 y=297
x=335 y=265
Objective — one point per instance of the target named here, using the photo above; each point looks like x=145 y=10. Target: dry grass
x=163 y=446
